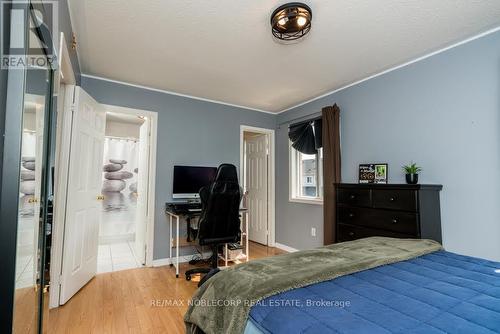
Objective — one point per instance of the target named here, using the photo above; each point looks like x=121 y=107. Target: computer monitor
x=188 y=180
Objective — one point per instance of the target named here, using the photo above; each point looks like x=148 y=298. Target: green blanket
x=223 y=303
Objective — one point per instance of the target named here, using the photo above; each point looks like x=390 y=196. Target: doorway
x=120 y=200
x=257 y=176
x=107 y=194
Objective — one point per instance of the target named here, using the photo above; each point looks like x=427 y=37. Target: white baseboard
x=182 y=259
x=285 y=248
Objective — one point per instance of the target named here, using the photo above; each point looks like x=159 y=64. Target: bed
x=428 y=291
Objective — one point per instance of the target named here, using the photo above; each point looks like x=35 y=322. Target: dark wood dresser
x=388 y=210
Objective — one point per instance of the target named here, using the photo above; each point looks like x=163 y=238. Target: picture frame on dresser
x=373 y=173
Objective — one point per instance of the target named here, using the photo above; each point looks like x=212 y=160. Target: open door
x=83 y=207
x=256 y=152
x=142 y=191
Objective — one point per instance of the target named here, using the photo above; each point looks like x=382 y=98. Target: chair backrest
x=220 y=217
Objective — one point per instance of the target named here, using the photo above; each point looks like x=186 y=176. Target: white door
x=142 y=192
x=83 y=199
x=256 y=152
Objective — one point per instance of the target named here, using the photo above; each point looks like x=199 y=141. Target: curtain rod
x=306 y=118
x=122 y=138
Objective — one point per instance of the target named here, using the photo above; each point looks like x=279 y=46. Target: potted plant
x=412 y=171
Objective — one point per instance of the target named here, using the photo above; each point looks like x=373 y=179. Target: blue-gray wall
x=444 y=114
x=190 y=132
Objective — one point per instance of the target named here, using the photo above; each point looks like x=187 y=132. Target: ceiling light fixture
x=291 y=21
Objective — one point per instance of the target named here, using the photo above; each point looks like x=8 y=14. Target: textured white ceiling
x=223 y=50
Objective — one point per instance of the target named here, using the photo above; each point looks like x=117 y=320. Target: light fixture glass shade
x=291 y=21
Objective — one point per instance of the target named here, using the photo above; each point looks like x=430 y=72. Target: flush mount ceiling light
x=291 y=21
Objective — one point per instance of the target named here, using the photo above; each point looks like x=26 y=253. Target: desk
x=177 y=216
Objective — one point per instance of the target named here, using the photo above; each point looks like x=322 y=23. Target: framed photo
x=373 y=173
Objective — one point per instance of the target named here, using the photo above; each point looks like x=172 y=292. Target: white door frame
x=150 y=224
x=270 y=133
x=63 y=89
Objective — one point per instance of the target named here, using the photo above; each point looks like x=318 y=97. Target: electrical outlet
x=313 y=231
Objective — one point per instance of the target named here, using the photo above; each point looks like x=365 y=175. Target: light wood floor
x=124 y=301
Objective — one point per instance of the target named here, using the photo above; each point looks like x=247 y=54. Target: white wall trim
x=271 y=181
x=182 y=259
x=416 y=60
x=176 y=94
x=285 y=248
x=153 y=116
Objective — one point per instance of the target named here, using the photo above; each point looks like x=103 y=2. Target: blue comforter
x=440 y=292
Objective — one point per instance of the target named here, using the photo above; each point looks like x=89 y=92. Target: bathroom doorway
x=125 y=181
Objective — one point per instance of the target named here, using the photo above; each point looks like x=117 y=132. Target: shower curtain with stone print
x=119 y=187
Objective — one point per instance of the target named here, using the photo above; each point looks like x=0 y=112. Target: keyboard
x=180 y=208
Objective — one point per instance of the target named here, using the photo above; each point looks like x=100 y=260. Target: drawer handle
x=351 y=234
x=394 y=220
x=392 y=199
x=351 y=215
x=352 y=196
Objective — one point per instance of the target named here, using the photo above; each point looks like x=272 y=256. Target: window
x=306 y=176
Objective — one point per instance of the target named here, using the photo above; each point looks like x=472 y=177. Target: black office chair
x=220 y=217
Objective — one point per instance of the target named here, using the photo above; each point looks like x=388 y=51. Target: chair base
x=191 y=272
x=213 y=263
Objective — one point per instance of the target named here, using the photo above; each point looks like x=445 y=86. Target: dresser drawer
x=350 y=232
x=395 y=221
x=354 y=197
x=396 y=199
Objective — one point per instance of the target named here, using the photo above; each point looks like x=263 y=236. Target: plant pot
x=412 y=178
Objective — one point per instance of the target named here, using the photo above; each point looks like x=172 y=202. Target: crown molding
x=413 y=61
x=175 y=94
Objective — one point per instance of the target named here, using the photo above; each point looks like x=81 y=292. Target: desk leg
x=225 y=255
x=177 y=248
x=171 y=243
x=246 y=236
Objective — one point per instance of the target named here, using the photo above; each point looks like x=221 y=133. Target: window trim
x=293 y=178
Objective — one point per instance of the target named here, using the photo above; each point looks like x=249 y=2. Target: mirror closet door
x=31 y=281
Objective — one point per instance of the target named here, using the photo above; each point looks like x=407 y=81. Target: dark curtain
x=318 y=130
x=331 y=169
x=306 y=136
